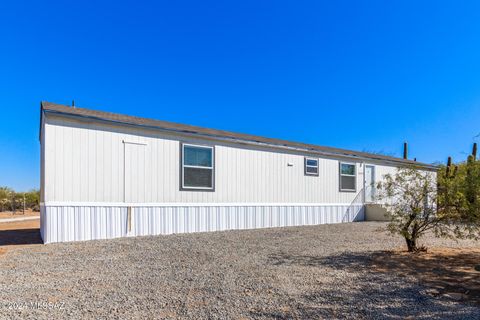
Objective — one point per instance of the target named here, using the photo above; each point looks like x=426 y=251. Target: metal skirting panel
x=77 y=223
x=42 y=221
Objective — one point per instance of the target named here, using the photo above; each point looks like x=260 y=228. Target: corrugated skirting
x=77 y=223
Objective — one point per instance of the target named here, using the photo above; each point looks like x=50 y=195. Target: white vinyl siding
x=91 y=168
x=135 y=172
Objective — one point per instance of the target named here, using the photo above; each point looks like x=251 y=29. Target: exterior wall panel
x=61 y=223
x=85 y=162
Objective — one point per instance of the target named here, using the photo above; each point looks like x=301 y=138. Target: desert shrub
x=448 y=205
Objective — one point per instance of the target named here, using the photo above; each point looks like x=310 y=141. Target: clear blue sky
x=362 y=75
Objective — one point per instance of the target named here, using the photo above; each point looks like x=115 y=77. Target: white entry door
x=135 y=172
x=369 y=183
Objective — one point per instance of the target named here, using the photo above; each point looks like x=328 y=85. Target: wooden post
x=24 y=203
x=405 y=150
x=474 y=151
x=129 y=218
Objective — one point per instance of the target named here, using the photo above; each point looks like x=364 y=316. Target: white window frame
x=308 y=166
x=183 y=165
x=347 y=175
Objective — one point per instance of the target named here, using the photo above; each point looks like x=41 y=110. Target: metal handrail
x=358 y=200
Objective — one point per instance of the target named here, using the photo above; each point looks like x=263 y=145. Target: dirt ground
x=14 y=235
x=19 y=213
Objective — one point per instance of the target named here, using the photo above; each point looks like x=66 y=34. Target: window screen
x=348 y=177
x=197 y=167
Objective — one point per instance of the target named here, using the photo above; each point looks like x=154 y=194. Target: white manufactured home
x=106 y=175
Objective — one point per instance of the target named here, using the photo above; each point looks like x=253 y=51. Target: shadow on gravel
x=20 y=237
x=346 y=260
x=445 y=271
x=386 y=285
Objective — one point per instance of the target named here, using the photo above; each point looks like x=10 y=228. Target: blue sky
x=358 y=75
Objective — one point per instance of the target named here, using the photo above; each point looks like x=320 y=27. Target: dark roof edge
x=228 y=136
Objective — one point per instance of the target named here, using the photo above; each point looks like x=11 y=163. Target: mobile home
x=106 y=175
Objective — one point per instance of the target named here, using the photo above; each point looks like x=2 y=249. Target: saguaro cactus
x=470 y=180
x=449 y=165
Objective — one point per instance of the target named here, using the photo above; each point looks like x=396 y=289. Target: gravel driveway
x=301 y=272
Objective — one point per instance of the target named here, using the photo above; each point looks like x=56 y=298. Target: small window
x=311 y=166
x=348 y=177
x=197 y=167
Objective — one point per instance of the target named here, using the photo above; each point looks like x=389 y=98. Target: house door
x=135 y=172
x=369 y=183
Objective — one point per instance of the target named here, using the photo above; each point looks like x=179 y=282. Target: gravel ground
x=302 y=272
